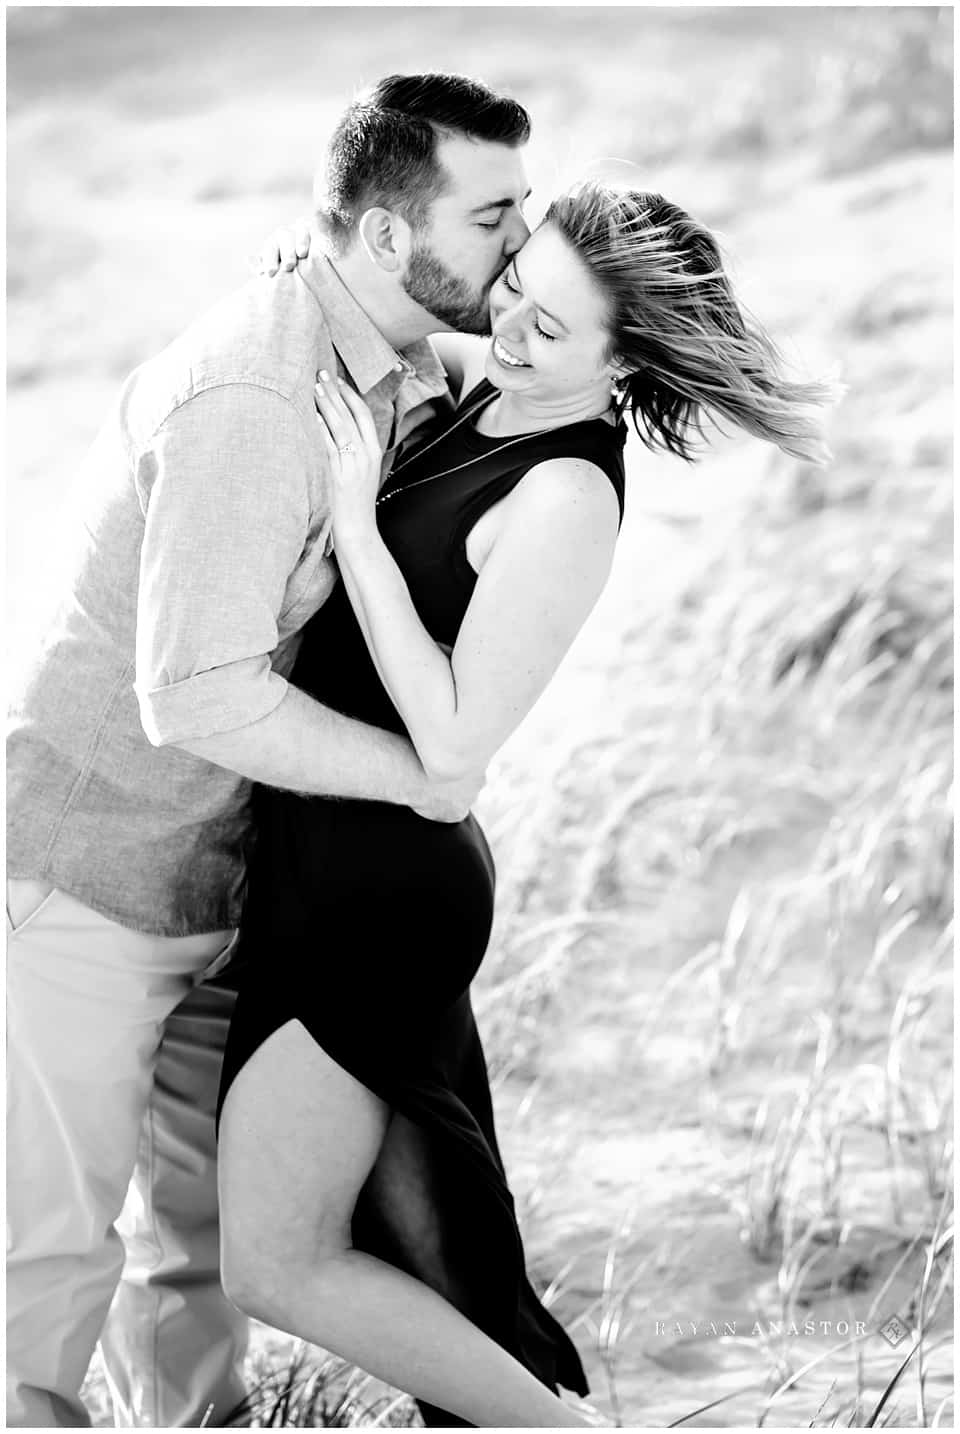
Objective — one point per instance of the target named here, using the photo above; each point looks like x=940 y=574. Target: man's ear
x=386 y=238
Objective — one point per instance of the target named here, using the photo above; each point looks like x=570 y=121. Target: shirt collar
x=365 y=353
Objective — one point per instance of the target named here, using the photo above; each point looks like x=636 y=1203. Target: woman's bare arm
x=537 y=586
x=539 y=581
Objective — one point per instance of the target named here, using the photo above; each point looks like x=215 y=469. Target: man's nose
x=516 y=234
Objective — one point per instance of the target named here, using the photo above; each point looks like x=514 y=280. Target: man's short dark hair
x=384 y=150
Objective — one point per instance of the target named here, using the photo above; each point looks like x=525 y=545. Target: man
x=159 y=694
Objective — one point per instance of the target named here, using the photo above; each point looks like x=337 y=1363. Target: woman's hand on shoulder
x=284 y=248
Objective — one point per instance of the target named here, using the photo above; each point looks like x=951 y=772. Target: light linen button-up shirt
x=202 y=548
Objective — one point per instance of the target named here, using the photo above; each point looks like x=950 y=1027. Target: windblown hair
x=678 y=330
x=384 y=150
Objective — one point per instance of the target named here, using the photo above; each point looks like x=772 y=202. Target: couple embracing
x=325 y=566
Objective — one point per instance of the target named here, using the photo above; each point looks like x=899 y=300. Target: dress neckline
x=472 y=432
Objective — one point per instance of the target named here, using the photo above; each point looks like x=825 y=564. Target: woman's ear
x=386 y=238
x=615 y=369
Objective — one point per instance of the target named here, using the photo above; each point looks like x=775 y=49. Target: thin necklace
x=408 y=487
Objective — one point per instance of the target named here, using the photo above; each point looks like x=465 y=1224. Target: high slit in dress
x=367 y=923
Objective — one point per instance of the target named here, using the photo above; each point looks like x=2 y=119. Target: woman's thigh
x=298 y=1138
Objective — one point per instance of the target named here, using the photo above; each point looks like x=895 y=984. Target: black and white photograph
x=479 y=649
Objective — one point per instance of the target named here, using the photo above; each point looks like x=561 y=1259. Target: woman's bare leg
x=298 y=1137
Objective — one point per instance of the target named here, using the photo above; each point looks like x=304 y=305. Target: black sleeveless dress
x=367 y=923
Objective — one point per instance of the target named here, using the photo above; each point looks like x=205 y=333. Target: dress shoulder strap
x=481 y=390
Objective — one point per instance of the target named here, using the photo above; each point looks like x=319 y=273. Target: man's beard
x=444 y=294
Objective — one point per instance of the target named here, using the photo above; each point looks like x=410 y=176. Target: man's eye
x=495 y=225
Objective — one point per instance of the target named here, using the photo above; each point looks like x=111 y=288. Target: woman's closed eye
x=515 y=289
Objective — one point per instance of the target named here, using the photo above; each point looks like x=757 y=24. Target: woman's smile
x=503 y=355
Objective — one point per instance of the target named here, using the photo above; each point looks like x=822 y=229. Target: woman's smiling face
x=548 y=320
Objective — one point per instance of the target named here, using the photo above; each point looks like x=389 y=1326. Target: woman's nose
x=507 y=317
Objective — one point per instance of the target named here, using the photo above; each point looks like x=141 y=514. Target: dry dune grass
x=717 y=1006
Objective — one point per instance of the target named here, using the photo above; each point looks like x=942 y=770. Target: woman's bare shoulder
x=572 y=484
x=567 y=505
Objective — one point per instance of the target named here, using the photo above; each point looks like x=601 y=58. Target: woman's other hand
x=349 y=435
x=284 y=248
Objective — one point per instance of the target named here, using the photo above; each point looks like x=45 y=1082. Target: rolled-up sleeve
x=224 y=486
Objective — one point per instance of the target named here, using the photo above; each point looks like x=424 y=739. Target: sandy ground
x=148 y=155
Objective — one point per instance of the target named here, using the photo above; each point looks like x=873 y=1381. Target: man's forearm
x=305 y=747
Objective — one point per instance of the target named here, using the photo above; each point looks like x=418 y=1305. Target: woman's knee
x=298 y=1137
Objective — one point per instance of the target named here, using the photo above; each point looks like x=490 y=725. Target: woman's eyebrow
x=550 y=316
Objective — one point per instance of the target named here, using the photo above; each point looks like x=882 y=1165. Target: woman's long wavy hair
x=677 y=329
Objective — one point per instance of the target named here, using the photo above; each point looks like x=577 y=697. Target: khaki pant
x=113 y=1061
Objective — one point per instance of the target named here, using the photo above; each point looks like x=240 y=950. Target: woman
x=391 y=1238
